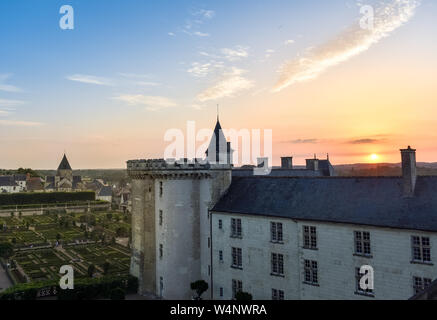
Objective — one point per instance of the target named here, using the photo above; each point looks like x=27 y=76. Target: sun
x=374 y=157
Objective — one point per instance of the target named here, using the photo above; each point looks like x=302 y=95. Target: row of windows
x=237 y=286
x=311 y=277
x=421 y=247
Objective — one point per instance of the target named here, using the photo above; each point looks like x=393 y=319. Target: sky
x=108 y=90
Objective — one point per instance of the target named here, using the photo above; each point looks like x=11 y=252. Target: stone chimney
x=287 y=163
x=409 y=173
x=313 y=164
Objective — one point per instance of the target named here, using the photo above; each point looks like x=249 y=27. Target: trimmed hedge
x=44 y=198
x=84 y=289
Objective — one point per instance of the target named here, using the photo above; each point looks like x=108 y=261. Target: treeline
x=45 y=198
x=114 y=288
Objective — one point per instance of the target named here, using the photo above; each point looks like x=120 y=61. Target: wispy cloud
x=304 y=141
x=10 y=103
x=389 y=16
x=197 y=19
x=152 y=103
x=237 y=53
x=13 y=123
x=201 y=70
x=88 y=79
x=231 y=83
x=366 y=141
x=288 y=42
x=7 y=87
x=205 y=14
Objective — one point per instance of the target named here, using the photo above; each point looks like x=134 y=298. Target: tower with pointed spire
x=219 y=151
x=171 y=220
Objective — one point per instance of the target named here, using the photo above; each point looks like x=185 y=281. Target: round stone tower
x=171 y=223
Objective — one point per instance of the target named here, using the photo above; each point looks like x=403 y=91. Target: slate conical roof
x=218 y=145
x=64 y=165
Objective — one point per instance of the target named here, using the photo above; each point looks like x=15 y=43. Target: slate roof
x=64 y=165
x=7 y=181
x=105 y=192
x=218 y=141
x=279 y=173
x=372 y=201
x=20 y=177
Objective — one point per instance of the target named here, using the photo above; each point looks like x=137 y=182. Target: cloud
x=152 y=103
x=239 y=52
x=13 y=123
x=206 y=14
x=231 y=83
x=389 y=16
x=10 y=103
x=171 y=34
x=4 y=113
x=365 y=141
x=269 y=53
x=288 y=42
x=90 y=79
x=201 y=34
x=201 y=70
x=7 y=87
x=305 y=141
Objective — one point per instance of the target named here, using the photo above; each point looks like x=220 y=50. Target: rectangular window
x=221 y=256
x=220 y=224
x=421 y=249
x=161 y=189
x=362 y=243
x=236 y=231
x=276 y=232
x=310 y=237
x=161 y=251
x=277 y=264
x=311 y=272
x=237 y=259
x=358 y=288
x=237 y=286
x=420 y=284
x=221 y=292
x=209 y=243
x=277 y=294
x=160 y=217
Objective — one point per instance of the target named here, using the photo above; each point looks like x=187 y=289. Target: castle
x=294 y=234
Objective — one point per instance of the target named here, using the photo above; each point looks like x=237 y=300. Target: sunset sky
x=107 y=91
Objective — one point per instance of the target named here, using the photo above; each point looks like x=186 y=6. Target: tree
x=6 y=250
x=117 y=294
x=243 y=296
x=91 y=270
x=200 y=287
x=106 y=267
x=109 y=216
x=58 y=236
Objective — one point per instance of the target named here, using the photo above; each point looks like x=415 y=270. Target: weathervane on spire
x=218 y=113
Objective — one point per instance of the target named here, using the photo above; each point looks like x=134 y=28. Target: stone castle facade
x=300 y=234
